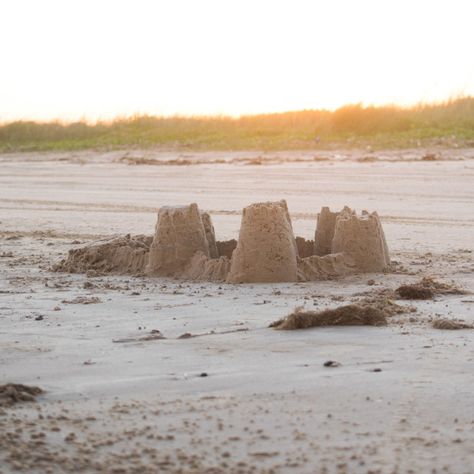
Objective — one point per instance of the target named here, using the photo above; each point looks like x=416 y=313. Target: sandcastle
x=184 y=246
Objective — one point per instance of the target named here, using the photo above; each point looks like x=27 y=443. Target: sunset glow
x=100 y=59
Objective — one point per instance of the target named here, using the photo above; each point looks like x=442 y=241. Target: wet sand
x=240 y=397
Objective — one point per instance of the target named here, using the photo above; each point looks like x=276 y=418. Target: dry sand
x=159 y=375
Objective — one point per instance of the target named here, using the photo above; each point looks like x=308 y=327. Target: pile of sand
x=203 y=268
x=12 y=393
x=349 y=315
x=266 y=250
x=325 y=268
x=127 y=254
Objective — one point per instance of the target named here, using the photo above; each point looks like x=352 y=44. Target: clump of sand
x=179 y=234
x=12 y=393
x=266 y=250
x=451 y=324
x=348 y=315
x=426 y=289
x=124 y=255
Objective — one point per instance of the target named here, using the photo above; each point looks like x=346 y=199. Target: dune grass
x=447 y=124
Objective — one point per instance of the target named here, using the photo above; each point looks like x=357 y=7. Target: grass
x=447 y=124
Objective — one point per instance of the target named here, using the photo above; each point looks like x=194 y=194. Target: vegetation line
x=447 y=124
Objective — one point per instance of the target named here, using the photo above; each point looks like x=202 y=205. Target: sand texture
x=170 y=375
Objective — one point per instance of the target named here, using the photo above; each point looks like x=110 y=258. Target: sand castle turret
x=266 y=249
x=363 y=239
x=179 y=234
x=210 y=234
x=325 y=226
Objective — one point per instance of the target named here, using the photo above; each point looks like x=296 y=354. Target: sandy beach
x=233 y=395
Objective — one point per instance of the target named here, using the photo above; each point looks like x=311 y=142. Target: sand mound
x=12 y=393
x=451 y=324
x=325 y=227
x=202 y=268
x=349 y=315
x=121 y=255
x=363 y=239
x=266 y=250
x=325 y=268
x=179 y=234
x=226 y=247
x=427 y=288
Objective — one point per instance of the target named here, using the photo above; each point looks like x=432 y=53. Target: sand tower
x=325 y=226
x=363 y=239
x=179 y=234
x=266 y=249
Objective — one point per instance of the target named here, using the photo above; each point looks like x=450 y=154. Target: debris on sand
x=331 y=363
x=123 y=255
x=427 y=288
x=348 y=315
x=83 y=300
x=444 y=323
x=12 y=393
x=266 y=250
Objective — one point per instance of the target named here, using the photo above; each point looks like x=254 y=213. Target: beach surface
x=158 y=375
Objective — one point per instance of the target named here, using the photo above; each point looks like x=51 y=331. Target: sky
x=98 y=59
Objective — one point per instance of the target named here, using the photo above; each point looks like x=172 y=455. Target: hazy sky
x=101 y=58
